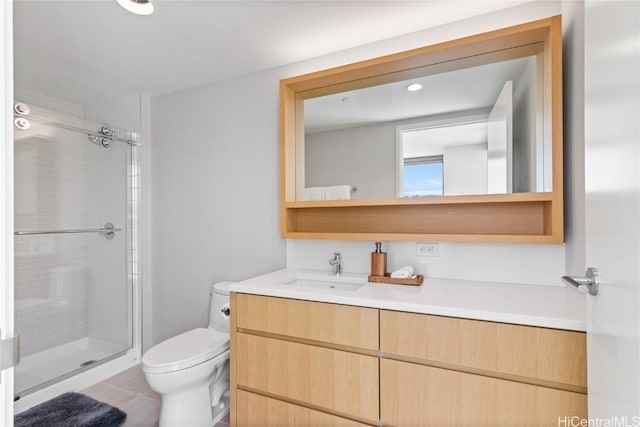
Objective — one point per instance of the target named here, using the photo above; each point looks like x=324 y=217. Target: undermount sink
x=345 y=283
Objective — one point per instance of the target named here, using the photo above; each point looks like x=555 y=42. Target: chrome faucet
x=336 y=262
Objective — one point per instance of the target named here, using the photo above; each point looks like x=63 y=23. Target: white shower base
x=96 y=373
x=45 y=366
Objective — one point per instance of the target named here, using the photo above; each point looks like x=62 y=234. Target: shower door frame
x=131 y=356
x=7 y=303
x=6 y=199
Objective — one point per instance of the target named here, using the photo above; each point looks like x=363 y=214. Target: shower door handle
x=9 y=352
x=107 y=230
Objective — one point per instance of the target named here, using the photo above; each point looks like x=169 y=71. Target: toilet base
x=188 y=390
x=187 y=408
x=186 y=395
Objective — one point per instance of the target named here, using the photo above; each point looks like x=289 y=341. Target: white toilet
x=191 y=370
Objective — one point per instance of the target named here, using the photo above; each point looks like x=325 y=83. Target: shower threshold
x=40 y=370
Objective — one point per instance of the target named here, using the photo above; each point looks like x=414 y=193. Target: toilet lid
x=185 y=350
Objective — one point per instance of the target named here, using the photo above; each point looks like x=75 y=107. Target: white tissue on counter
x=403 y=273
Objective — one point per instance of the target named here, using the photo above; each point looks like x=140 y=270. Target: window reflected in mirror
x=422 y=176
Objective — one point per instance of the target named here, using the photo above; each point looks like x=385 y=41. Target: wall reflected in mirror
x=476 y=130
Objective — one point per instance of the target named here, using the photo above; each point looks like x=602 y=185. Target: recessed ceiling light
x=414 y=87
x=139 y=7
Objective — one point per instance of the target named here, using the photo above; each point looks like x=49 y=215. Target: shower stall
x=76 y=243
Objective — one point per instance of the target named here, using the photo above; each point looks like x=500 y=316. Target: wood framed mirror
x=508 y=191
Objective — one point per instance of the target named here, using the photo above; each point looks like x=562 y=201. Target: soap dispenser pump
x=378 y=261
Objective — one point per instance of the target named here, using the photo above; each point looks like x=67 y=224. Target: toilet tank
x=218 y=319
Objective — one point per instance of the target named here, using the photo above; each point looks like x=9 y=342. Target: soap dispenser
x=378 y=261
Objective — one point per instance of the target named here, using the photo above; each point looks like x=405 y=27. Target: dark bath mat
x=71 y=410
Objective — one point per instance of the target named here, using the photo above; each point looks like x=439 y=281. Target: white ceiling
x=446 y=93
x=91 y=51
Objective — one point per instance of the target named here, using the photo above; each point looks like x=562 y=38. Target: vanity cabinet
x=264 y=411
x=313 y=361
x=329 y=324
x=448 y=371
x=299 y=362
x=420 y=395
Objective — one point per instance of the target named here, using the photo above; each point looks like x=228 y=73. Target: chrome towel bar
x=108 y=230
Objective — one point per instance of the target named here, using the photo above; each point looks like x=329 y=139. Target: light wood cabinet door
x=332 y=380
x=416 y=395
x=262 y=411
x=327 y=323
x=531 y=354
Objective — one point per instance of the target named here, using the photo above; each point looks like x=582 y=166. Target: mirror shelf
x=504 y=218
x=500 y=218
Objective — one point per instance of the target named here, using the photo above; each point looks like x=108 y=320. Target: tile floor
x=130 y=392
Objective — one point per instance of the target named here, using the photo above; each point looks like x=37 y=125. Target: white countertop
x=544 y=306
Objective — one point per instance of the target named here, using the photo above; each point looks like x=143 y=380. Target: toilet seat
x=185 y=350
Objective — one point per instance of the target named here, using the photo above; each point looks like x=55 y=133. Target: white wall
x=525 y=143
x=524 y=264
x=465 y=169
x=500 y=142
x=215 y=190
x=108 y=291
x=51 y=172
x=125 y=113
x=574 y=124
x=362 y=156
x=215 y=208
x=114 y=303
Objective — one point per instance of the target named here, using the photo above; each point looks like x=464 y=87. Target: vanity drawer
x=262 y=411
x=512 y=351
x=329 y=379
x=328 y=323
x=416 y=395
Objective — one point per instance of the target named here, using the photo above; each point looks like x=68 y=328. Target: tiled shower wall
x=50 y=194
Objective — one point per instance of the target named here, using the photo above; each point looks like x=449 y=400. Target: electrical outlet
x=428 y=249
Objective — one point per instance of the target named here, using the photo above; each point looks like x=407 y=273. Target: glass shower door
x=73 y=291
